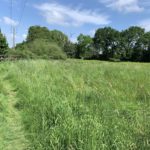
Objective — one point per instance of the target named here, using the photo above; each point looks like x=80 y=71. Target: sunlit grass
x=87 y=105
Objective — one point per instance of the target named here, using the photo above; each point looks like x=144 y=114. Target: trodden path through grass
x=11 y=129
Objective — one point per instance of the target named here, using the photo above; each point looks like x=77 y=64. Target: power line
x=11 y=13
x=12 y=26
x=13 y=29
x=22 y=13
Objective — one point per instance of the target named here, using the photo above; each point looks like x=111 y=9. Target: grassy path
x=11 y=130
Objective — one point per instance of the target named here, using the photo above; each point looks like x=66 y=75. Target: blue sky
x=73 y=17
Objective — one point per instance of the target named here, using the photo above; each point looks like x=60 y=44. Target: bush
x=39 y=49
x=21 y=54
x=114 y=59
x=43 y=49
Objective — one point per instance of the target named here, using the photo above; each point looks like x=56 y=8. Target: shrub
x=39 y=49
x=44 y=49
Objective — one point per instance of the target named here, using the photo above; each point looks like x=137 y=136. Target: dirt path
x=11 y=129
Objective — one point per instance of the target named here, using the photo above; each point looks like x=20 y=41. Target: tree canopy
x=37 y=32
x=3 y=44
x=107 y=42
x=84 y=46
x=132 y=44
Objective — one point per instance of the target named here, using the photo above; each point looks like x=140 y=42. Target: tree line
x=3 y=44
x=132 y=44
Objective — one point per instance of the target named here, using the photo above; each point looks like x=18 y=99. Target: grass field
x=75 y=105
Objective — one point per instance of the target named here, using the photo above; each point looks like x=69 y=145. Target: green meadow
x=74 y=105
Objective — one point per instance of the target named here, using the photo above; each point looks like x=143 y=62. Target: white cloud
x=9 y=21
x=123 y=5
x=145 y=24
x=24 y=36
x=55 y=13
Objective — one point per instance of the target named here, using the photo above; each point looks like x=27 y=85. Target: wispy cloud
x=123 y=5
x=55 y=13
x=145 y=24
x=9 y=21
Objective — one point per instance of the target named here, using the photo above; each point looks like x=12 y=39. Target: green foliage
x=44 y=49
x=84 y=46
x=86 y=105
x=70 y=49
x=131 y=44
x=107 y=42
x=58 y=37
x=3 y=44
x=39 y=48
x=21 y=54
x=37 y=32
x=145 y=46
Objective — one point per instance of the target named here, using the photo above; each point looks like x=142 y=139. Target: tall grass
x=84 y=105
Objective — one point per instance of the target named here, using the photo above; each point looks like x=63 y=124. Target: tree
x=146 y=47
x=3 y=44
x=37 y=32
x=70 y=49
x=84 y=46
x=58 y=37
x=130 y=43
x=107 y=42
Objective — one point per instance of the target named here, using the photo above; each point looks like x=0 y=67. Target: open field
x=74 y=105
